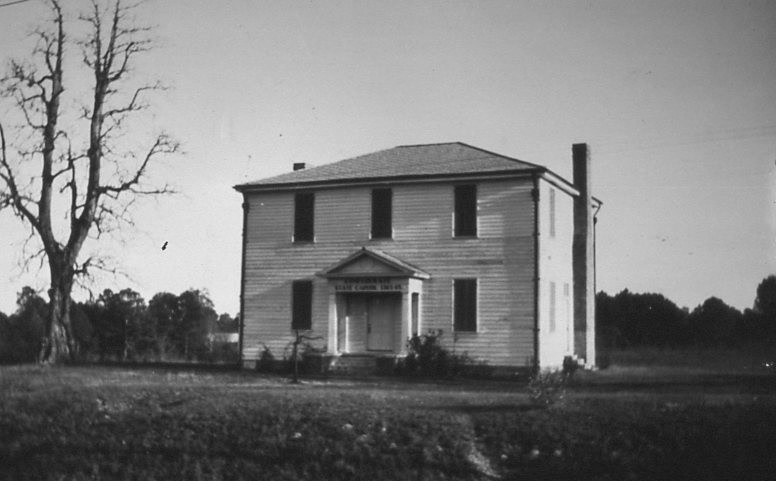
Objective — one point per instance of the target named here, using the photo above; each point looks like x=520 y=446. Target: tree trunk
x=58 y=344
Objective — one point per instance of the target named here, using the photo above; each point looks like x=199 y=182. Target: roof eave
x=244 y=188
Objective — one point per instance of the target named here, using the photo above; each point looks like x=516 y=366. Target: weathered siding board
x=502 y=258
x=422 y=213
x=270 y=219
x=343 y=214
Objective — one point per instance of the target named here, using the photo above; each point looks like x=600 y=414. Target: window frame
x=379 y=231
x=460 y=324
x=301 y=315
x=465 y=215
x=304 y=221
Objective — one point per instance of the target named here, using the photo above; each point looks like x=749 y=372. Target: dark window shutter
x=382 y=200
x=465 y=304
x=304 y=217
x=466 y=210
x=302 y=305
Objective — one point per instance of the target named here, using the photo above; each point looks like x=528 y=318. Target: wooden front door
x=382 y=319
x=355 y=325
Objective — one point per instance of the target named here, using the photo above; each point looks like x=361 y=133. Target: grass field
x=63 y=423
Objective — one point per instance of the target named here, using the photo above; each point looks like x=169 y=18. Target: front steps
x=365 y=364
x=353 y=365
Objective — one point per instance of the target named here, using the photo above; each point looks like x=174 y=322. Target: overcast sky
x=677 y=100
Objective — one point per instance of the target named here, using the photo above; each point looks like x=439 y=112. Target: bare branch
x=14 y=198
x=133 y=104
x=28 y=257
x=22 y=103
x=82 y=269
x=163 y=145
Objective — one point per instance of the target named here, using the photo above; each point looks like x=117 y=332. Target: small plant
x=570 y=366
x=266 y=362
x=548 y=388
x=299 y=348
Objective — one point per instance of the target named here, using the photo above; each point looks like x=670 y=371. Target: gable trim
x=402 y=269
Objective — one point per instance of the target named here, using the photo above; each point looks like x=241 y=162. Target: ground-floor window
x=465 y=304
x=302 y=304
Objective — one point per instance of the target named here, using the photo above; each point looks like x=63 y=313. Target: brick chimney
x=583 y=258
x=299 y=166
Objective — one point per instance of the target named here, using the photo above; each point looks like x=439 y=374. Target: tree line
x=630 y=319
x=121 y=326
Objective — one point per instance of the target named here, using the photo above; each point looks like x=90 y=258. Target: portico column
x=331 y=344
x=406 y=305
x=413 y=286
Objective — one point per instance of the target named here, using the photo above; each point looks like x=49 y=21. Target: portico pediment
x=372 y=263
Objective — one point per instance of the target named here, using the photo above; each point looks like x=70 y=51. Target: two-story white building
x=495 y=252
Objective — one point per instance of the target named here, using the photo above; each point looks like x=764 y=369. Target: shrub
x=427 y=357
x=570 y=366
x=266 y=362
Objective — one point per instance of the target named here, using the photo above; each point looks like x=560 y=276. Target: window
x=552 y=212
x=465 y=210
x=302 y=305
x=465 y=304
x=304 y=215
x=552 y=306
x=382 y=200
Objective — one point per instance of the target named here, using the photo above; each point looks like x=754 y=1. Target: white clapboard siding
x=556 y=267
x=502 y=258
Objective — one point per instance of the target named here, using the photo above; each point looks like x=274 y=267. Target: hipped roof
x=406 y=161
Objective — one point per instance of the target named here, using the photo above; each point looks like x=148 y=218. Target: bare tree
x=70 y=177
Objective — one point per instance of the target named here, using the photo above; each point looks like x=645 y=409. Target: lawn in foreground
x=114 y=423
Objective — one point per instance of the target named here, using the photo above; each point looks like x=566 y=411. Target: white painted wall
x=502 y=258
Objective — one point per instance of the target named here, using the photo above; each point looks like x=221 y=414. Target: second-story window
x=382 y=209
x=304 y=217
x=465 y=210
x=552 y=212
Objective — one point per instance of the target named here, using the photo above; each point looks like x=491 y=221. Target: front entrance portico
x=371 y=303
